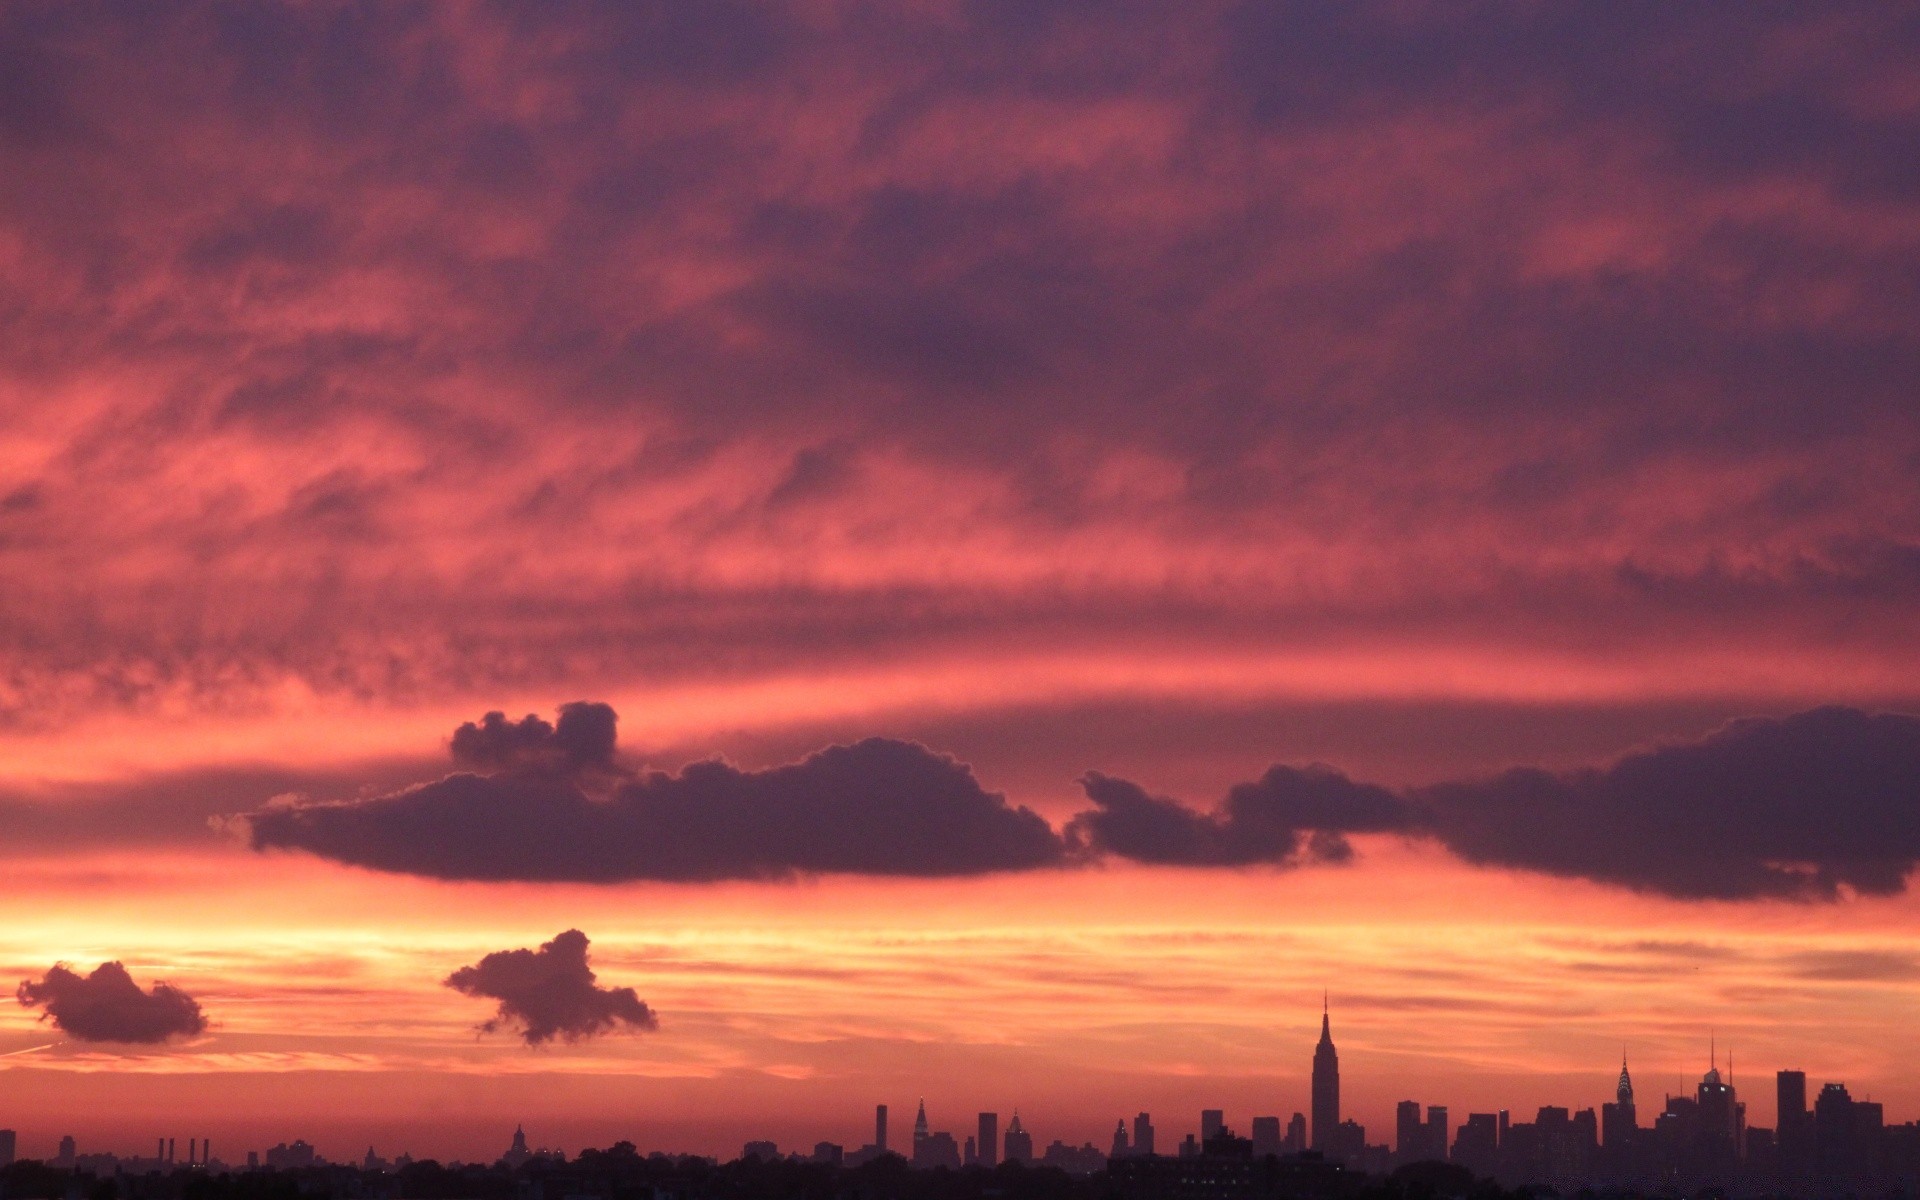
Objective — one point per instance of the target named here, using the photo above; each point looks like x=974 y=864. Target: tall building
x=1326 y=1085
x=1437 y=1132
x=988 y=1139
x=1212 y=1121
x=919 y=1129
x=8 y=1145
x=1719 y=1114
x=1297 y=1133
x=1791 y=1125
x=1143 y=1134
x=1266 y=1137
x=516 y=1154
x=1409 y=1132
x=1619 y=1120
x=1120 y=1147
x=1018 y=1143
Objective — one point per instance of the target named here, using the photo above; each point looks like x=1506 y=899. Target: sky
x=674 y=572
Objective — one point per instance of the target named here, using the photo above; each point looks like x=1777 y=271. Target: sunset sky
x=1015 y=542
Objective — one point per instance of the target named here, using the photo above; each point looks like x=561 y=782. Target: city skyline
x=1294 y=1131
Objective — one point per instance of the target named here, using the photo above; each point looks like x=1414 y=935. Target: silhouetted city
x=1696 y=1145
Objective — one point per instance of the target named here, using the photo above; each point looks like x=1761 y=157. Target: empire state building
x=1326 y=1087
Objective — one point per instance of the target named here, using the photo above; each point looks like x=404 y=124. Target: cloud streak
x=772 y=340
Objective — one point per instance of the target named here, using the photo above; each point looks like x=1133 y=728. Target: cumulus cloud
x=1289 y=815
x=108 y=1006
x=583 y=737
x=1803 y=807
x=878 y=807
x=550 y=993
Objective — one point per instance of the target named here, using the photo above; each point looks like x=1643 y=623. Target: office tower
x=8 y=1144
x=1719 y=1116
x=1143 y=1134
x=1120 y=1147
x=1437 y=1132
x=919 y=1129
x=1212 y=1121
x=1791 y=1127
x=1018 y=1144
x=1619 y=1121
x=970 y=1154
x=1297 y=1133
x=169 y=1150
x=1833 y=1131
x=1409 y=1132
x=69 y=1150
x=988 y=1140
x=1478 y=1146
x=1266 y=1137
x=880 y=1127
x=1326 y=1085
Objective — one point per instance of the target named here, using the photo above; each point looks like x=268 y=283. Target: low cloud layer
x=551 y=993
x=108 y=1006
x=1806 y=807
x=877 y=807
x=1799 y=808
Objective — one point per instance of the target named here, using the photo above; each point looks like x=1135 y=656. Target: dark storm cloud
x=108 y=1006
x=550 y=993
x=1799 y=808
x=877 y=807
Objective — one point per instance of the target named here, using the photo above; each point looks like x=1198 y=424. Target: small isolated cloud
x=548 y=803
x=550 y=993
x=108 y=1006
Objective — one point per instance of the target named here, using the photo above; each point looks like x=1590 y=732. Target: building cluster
x=1835 y=1145
x=1831 y=1145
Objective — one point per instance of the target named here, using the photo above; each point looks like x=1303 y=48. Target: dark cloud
x=876 y=807
x=550 y=993
x=1289 y=815
x=1796 y=807
x=1801 y=807
x=1810 y=806
x=583 y=737
x=108 y=1006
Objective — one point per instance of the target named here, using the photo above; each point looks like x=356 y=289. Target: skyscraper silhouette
x=1326 y=1084
x=989 y=1139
